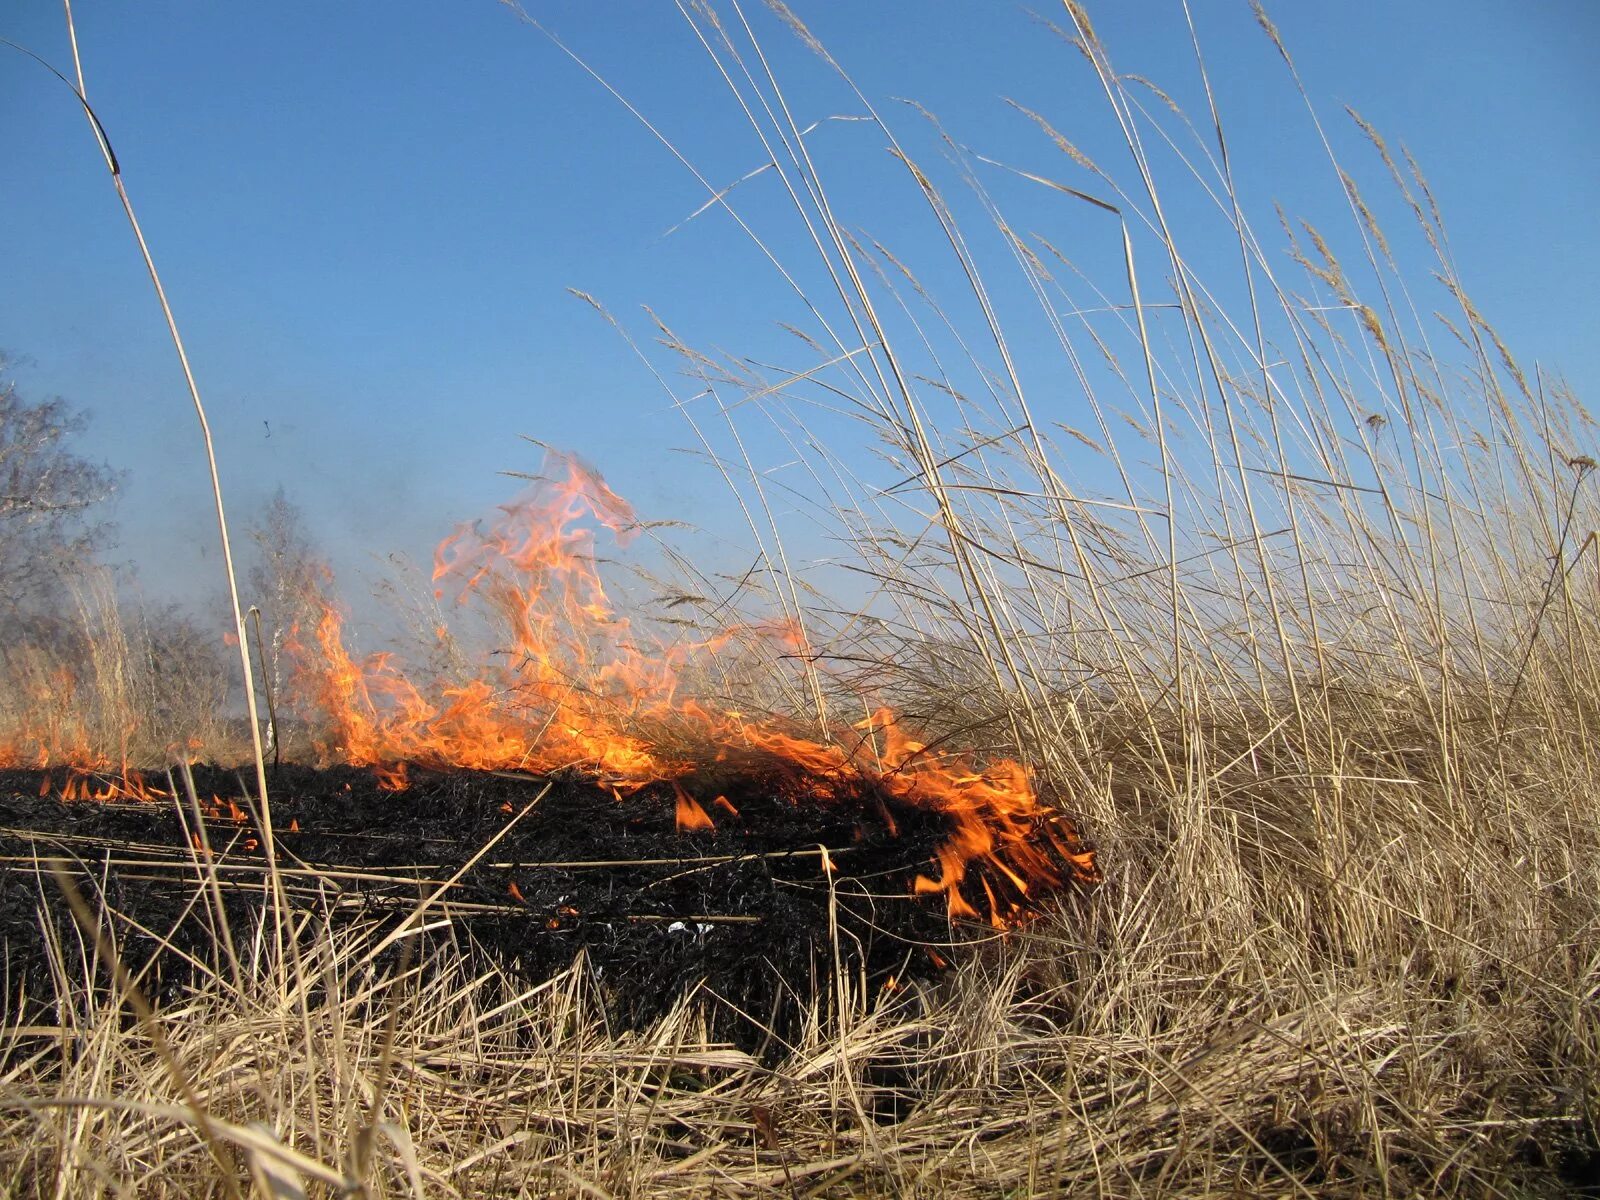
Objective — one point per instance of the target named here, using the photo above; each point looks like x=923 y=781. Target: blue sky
x=368 y=217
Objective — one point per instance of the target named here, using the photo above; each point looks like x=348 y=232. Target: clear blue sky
x=368 y=215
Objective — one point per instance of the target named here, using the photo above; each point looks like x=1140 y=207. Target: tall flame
x=579 y=688
x=573 y=679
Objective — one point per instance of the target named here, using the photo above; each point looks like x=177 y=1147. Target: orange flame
x=578 y=688
x=56 y=734
x=690 y=815
x=83 y=783
x=53 y=733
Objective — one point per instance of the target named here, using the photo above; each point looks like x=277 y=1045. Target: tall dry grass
x=108 y=682
x=1315 y=667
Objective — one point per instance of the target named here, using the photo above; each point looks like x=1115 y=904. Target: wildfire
x=53 y=732
x=63 y=746
x=579 y=688
x=575 y=677
x=86 y=783
x=56 y=737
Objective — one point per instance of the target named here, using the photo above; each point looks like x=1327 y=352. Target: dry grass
x=1316 y=667
x=1303 y=977
x=108 y=682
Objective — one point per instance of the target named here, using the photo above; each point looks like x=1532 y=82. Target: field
x=1310 y=661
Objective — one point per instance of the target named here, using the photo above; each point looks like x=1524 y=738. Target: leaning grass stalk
x=268 y=841
x=211 y=456
x=129 y=991
x=840 y=263
x=410 y=924
x=205 y=865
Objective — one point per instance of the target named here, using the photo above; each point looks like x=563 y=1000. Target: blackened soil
x=745 y=909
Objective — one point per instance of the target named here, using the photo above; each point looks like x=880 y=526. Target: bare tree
x=49 y=499
x=287 y=581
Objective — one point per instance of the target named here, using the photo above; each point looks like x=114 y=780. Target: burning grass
x=577 y=688
x=1320 y=679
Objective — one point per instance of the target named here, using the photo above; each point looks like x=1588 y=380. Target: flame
x=577 y=687
x=84 y=783
x=689 y=814
x=56 y=729
x=55 y=734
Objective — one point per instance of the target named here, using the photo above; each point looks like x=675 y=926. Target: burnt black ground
x=651 y=931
